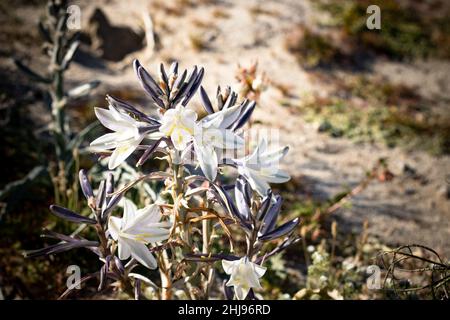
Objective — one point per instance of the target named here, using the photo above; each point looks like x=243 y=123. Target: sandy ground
x=413 y=208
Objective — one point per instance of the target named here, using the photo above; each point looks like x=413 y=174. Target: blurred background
x=365 y=112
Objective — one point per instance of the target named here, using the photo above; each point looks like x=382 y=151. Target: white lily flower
x=136 y=229
x=211 y=136
x=125 y=138
x=244 y=276
x=178 y=124
x=261 y=167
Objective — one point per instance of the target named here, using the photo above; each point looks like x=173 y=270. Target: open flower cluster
x=203 y=229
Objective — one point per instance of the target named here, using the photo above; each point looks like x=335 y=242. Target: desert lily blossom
x=128 y=134
x=244 y=276
x=136 y=230
x=178 y=124
x=212 y=136
x=261 y=167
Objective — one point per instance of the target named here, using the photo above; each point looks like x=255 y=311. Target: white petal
x=121 y=116
x=142 y=254
x=129 y=213
x=230 y=140
x=207 y=159
x=151 y=212
x=256 y=182
x=280 y=177
x=124 y=249
x=275 y=156
x=241 y=292
x=260 y=270
x=180 y=138
x=189 y=114
x=228 y=266
x=114 y=227
x=106 y=141
x=107 y=118
x=121 y=153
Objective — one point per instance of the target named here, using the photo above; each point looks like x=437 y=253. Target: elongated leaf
x=179 y=81
x=85 y=185
x=147 y=153
x=285 y=244
x=163 y=75
x=231 y=100
x=70 y=215
x=101 y=193
x=191 y=91
x=32 y=74
x=58 y=236
x=69 y=55
x=173 y=68
x=205 y=101
x=270 y=219
x=244 y=117
x=122 y=105
x=60 y=247
x=228 y=292
x=281 y=231
x=185 y=86
x=112 y=203
x=119 y=265
x=242 y=198
x=265 y=205
x=83 y=89
x=109 y=186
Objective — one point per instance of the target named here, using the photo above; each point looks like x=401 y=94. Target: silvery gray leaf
x=69 y=54
x=192 y=89
x=227 y=291
x=85 y=185
x=244 y=116
x=147 y=153
x=58 y=236
x=281 y=231
x=185 y=86
x=231 y=100
x=179 y=81
x=150 y=86
x=270 y=218
x=83 y=89
x=265 y=205
x=163 y=75
x=242 y=199
x=285 y=244
x=109 y=186
x=70 y=215
x=102 y=277
x=60 y=247
x=100 y=197
x=122 y=105
x=226 y=201
x=173 y=69
x=119 y=265
x=113 y=202
x=205 y=101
